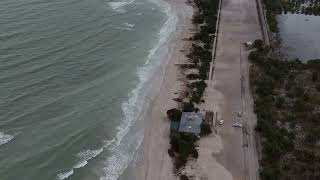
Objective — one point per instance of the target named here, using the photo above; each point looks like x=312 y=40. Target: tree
x=258 y=43
x=174 y=114
x=188 y=107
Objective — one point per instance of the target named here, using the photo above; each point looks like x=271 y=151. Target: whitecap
x=80 y=164
x=84 y=156
x=120 y=4
x=65 y=175
x=120 y=158
x=168 y=27
x=129 y=25
x=124 y=28
x=5 y=138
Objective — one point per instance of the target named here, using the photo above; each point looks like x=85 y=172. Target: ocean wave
x=120 y=4
x=122 y=153
x=125 y=28
x=168 y=27
x=5 y=138
x=129 y=25
x=84 y=156
x=121 y=157
x=132 y=109
x=64 y=175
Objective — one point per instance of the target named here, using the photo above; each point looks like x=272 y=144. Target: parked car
x=237 y=125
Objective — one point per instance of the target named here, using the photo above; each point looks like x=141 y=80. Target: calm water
x=73 y=79
x=300 y=36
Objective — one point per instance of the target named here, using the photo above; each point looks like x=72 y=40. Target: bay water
x=300 y=36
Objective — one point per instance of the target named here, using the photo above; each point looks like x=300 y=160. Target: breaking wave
x=5 y=138
x=132 y=109
x=120 y=4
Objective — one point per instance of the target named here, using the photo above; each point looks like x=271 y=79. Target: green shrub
x=197 y=95
x=258 y=43
x=188 y=107
x=184 y=177
x=182 y=147
x=174 y=114
x=193 y=76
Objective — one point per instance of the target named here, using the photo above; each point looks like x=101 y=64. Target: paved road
x=239 y=23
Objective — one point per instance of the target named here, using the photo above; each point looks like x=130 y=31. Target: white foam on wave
x=168 y=27
x=64 y=175
x=122 y=155
x=121 y=158
x=5 y=138
x=124 y=28
x=120 y=4
x=129 y=25
x=84 y=156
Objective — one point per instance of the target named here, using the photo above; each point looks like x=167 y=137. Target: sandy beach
x=156 y=163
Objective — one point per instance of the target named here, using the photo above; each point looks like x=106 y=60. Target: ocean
x=75 y=80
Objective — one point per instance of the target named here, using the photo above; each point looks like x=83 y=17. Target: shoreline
x=155 y=162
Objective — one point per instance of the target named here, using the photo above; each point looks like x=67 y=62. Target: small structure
x=249 y=44
x=190 y=123
x=208 y=118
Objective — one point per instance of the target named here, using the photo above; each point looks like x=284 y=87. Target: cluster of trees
x=295 y=6
x=183 y=145
x=201 y=51
x=275 y=7
x=198 y=88
x=287 y=102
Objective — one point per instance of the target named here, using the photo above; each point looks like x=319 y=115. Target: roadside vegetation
x=200 y=55
x=183 y=145
x=287 y=104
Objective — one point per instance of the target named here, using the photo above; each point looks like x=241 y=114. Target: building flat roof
x=190 y=123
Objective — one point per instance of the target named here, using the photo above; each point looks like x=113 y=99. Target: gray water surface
x=300 y=36
x=68 y=70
